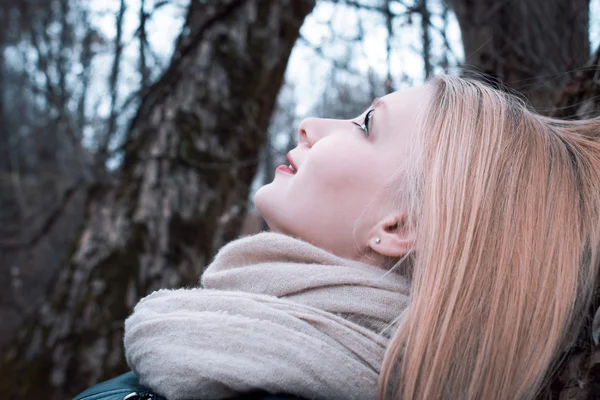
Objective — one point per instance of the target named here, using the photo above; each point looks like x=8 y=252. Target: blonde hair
x=506 y=207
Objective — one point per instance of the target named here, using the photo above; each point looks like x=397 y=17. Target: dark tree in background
x=532 y=46
x=190 y=156
x=578 y=376
x=541 y=49
x=43 y=164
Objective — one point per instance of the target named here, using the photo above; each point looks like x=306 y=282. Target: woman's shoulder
x=128 y=387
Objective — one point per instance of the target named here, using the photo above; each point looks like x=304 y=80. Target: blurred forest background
x=133 y=132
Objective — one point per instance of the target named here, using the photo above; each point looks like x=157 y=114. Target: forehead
x=413 y=97
x=400 y=109
x=397 y=118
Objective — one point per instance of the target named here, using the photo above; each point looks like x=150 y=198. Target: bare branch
x=343 y=65
x=426 y=39
x=113 y=81
x=143 y=43
x=48 y=221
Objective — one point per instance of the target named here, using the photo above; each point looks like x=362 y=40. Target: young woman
x=442 y=245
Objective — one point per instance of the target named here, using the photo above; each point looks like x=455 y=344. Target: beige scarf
x=274 y=313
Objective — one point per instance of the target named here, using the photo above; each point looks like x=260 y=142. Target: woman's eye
x=366 y=122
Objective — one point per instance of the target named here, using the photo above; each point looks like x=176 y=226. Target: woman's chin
x=260 y=199
x=262 y=204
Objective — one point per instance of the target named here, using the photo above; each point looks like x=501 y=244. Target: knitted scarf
x=273 y=313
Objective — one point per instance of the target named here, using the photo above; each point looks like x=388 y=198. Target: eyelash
x=365 y=125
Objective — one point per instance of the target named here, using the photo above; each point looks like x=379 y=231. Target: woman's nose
x=311 y=130
x=305 y=126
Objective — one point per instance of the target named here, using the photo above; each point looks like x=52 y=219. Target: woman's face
x=340 y=169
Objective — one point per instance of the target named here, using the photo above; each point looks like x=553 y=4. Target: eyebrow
x=376 y=102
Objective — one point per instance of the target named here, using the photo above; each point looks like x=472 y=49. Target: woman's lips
x=285 y=169
x=289 y=158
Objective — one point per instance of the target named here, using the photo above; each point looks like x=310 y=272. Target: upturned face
x=338 y=167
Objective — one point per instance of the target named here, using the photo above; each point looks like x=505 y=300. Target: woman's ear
x=391 y=238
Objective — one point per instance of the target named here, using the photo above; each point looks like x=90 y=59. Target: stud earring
x=377 y=240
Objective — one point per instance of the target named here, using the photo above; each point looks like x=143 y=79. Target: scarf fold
x=274 y=313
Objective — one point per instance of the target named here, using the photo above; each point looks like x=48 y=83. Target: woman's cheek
x=332 y=176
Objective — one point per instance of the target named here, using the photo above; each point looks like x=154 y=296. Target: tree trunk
x=537 y=48
x=578 y=375
x=531 y=46
x=191 y=154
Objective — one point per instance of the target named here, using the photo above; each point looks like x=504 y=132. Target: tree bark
x=531 y=46
x=537 y=48
x=578 y=375
x=191 y=154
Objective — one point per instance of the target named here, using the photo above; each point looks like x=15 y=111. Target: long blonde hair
x=506 y=207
